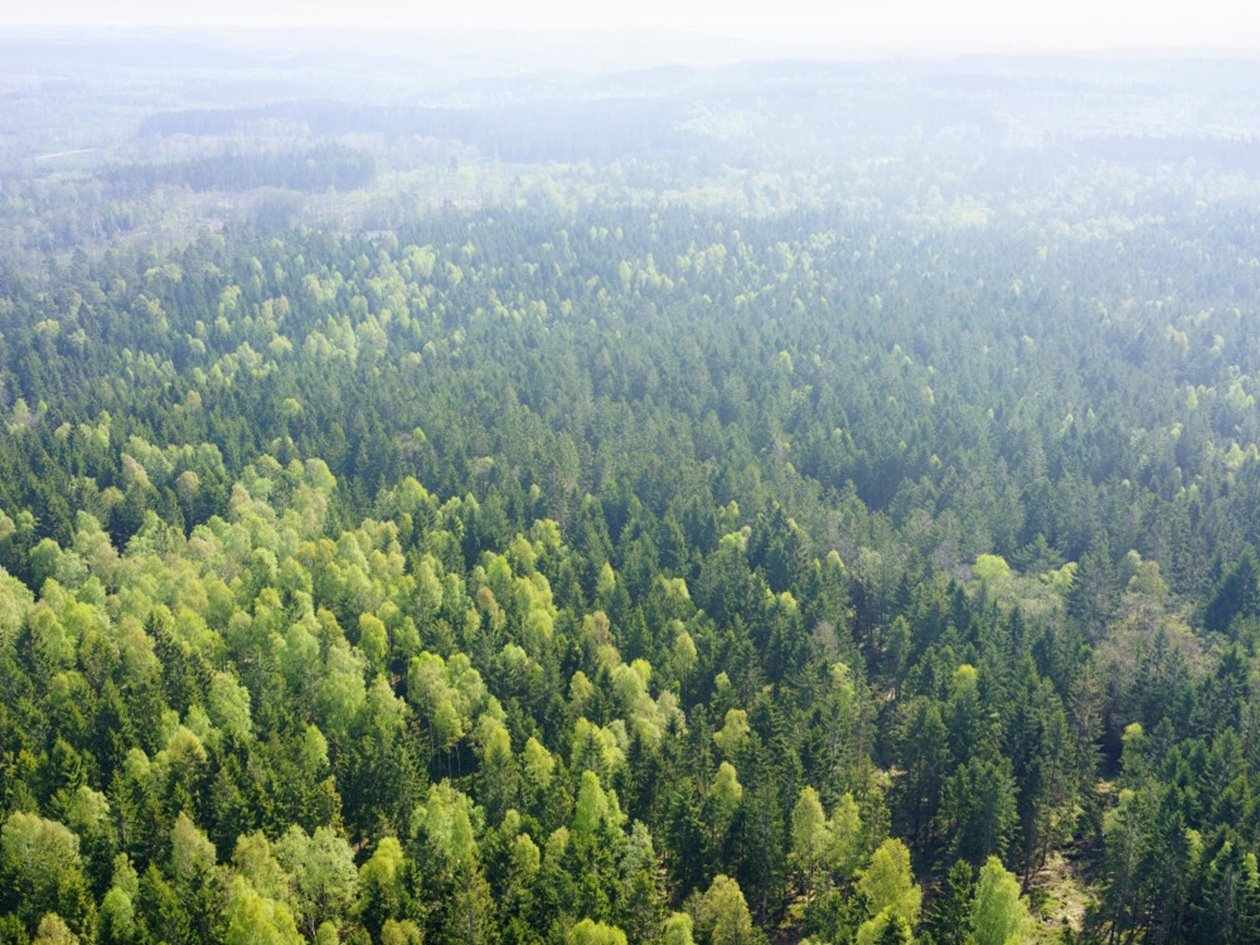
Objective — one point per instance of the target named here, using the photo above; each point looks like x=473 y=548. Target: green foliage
x=733 y=732
x=41 y=873
x=324 y=883
x=381 y=884
x=1237 y=594
x=722 y=914
x=888 y=889
x=1230 y=910
x=948 y=919
x=677 y=930
x=445 y=823
x=1000 y=915
x=252 y=919
x=587 y=932
x=54 y=931
x=531 y=571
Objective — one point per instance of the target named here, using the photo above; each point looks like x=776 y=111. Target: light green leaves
x=999 y=915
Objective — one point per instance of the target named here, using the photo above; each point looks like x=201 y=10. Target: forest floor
x=1061 y=898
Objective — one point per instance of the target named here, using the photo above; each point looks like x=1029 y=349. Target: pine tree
x=948 y=918
x=1093 y=598
x=1237 y=592
x=1228 y=911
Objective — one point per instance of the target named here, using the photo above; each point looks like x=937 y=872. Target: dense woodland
x=727 y=544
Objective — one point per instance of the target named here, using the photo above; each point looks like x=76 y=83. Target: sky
x=980 y=24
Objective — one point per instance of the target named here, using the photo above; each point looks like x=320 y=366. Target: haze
x=899 y=24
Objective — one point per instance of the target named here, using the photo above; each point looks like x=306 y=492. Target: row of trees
x=312 y=171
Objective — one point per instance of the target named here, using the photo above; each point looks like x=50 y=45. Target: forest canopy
x=783 y=502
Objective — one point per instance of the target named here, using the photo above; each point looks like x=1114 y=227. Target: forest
x=792 y=502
